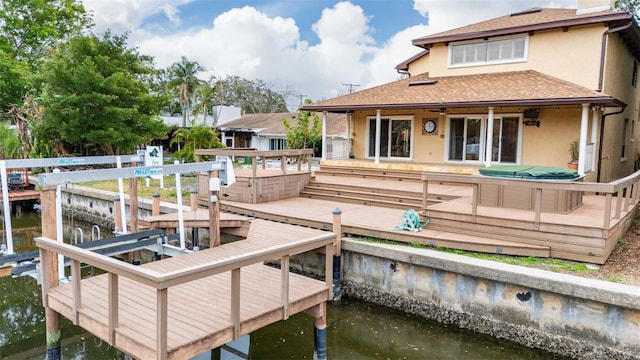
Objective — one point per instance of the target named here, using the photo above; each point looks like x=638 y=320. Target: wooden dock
x=180 y=307
x=229 y=223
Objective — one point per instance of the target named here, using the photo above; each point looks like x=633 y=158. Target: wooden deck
x=180 y=307
x=588 y=233
x=229 y=223
x=19 y=195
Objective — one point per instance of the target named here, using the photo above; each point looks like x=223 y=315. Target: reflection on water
x=356 y=330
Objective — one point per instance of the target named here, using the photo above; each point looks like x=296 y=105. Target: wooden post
x=337 y=259
x=155 y=209
x=193 y=199
x=49 y=230
x=117 y=213
x=214 y=214
x=320 y=332
x=133 y=213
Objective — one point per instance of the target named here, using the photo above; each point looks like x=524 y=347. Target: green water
x=355 y=330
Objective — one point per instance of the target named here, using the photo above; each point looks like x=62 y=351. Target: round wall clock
x=430 y=126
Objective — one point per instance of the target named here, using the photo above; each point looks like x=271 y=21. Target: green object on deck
x=530 y=172
x=247 y=159
x=411 y=221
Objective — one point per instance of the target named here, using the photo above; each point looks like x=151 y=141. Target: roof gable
x=525 y=21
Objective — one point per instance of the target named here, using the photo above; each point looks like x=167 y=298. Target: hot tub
x=510 y=195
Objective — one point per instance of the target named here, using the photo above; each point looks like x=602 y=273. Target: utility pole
x=350 y=86
x=301 y=96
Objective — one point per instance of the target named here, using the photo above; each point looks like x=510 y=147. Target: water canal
x=356 y=330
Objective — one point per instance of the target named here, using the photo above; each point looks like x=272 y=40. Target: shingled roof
x=525 y=21
x=518 y=88
x=271 y=123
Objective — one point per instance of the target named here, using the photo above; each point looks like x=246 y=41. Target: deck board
x=198 y=311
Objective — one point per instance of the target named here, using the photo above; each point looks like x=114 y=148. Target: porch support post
x=348 y=134
x=489 y=150
x=584 y=124
x=324 y=135
x=595 y=125
x=377 y=148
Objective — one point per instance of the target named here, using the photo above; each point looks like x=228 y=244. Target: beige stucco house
x=517 y=89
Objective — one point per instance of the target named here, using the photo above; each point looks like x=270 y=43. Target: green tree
x=94 y=101
x=207 y=96
x=28 y=30
x=195 y=137
x=32 y=27
x=253 y=97
x=631 y=6
x=9 y=142
x=306 y=133
x=184 y=80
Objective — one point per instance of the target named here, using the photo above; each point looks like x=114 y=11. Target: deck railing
x=162 y=281
x=625 y=190
x=254 y=154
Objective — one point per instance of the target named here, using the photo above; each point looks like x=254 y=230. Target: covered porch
x=522 y=117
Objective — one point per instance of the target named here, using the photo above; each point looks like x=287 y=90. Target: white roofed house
x=267 y=132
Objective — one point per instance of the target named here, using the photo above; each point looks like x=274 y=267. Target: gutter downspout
x=604 y=48
x=604 y=117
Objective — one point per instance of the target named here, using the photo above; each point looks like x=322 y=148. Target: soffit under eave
x=601 y=101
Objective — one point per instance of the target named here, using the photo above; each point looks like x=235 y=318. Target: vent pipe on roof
x=592 y=6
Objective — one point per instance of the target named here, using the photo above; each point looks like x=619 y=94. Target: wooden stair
x=353 y=194
x=370 y=173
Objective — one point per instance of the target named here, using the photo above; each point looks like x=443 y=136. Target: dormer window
x=490 y=51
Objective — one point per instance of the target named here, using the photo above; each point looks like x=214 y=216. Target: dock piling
x=337 y=260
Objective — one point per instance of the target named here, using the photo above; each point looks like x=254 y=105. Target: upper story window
x=491 y=51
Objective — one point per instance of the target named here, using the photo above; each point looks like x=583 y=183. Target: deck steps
x=370 y=173
x=397 y=199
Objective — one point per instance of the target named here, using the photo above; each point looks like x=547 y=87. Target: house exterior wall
x=617 y=82
x=573 y=56
x=558 y=128
x=570 y=56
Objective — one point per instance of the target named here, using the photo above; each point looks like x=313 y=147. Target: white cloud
x=249 y=43
x=121 y=16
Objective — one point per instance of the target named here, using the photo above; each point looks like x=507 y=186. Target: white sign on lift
x=153 y=157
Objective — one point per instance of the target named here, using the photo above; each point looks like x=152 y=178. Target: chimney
x=591 y=6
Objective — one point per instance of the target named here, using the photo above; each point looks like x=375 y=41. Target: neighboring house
x=517 y=89
x=267 y=132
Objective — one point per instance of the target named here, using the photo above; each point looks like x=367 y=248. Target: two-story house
x=517 y=89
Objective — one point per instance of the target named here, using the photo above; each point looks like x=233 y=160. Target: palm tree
x=207 y=94
x=196 y=137
x=183 y=78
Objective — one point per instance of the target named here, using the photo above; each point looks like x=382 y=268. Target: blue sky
x=305 y=47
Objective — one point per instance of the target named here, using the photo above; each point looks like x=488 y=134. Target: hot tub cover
x=530 y=172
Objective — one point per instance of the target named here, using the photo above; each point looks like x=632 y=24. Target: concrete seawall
x=564 y=314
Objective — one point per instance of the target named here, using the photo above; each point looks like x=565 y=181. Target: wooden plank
x=161 y=326
x=77 y=300
x=284 y=286
x=113 y=307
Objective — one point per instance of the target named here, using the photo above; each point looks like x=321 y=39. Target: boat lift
x=52 y=163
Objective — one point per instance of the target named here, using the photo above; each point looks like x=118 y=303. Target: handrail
x=263 y=154
x=163 y=280
x=625 y=189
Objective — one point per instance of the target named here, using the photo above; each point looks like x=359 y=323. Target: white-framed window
x=466 y=139
x=396 y=137
x=491 y=51
x=277 y=144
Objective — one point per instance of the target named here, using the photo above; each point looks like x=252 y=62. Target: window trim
x=410 y=118
x=524 y=58
x=484 y=118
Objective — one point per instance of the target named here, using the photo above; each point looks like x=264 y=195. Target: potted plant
x=574 y=150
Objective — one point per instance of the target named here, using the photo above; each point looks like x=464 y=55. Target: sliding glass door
x=467 y=139
x=395 y=138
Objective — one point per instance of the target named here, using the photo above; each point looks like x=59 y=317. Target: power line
x=350 y=86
